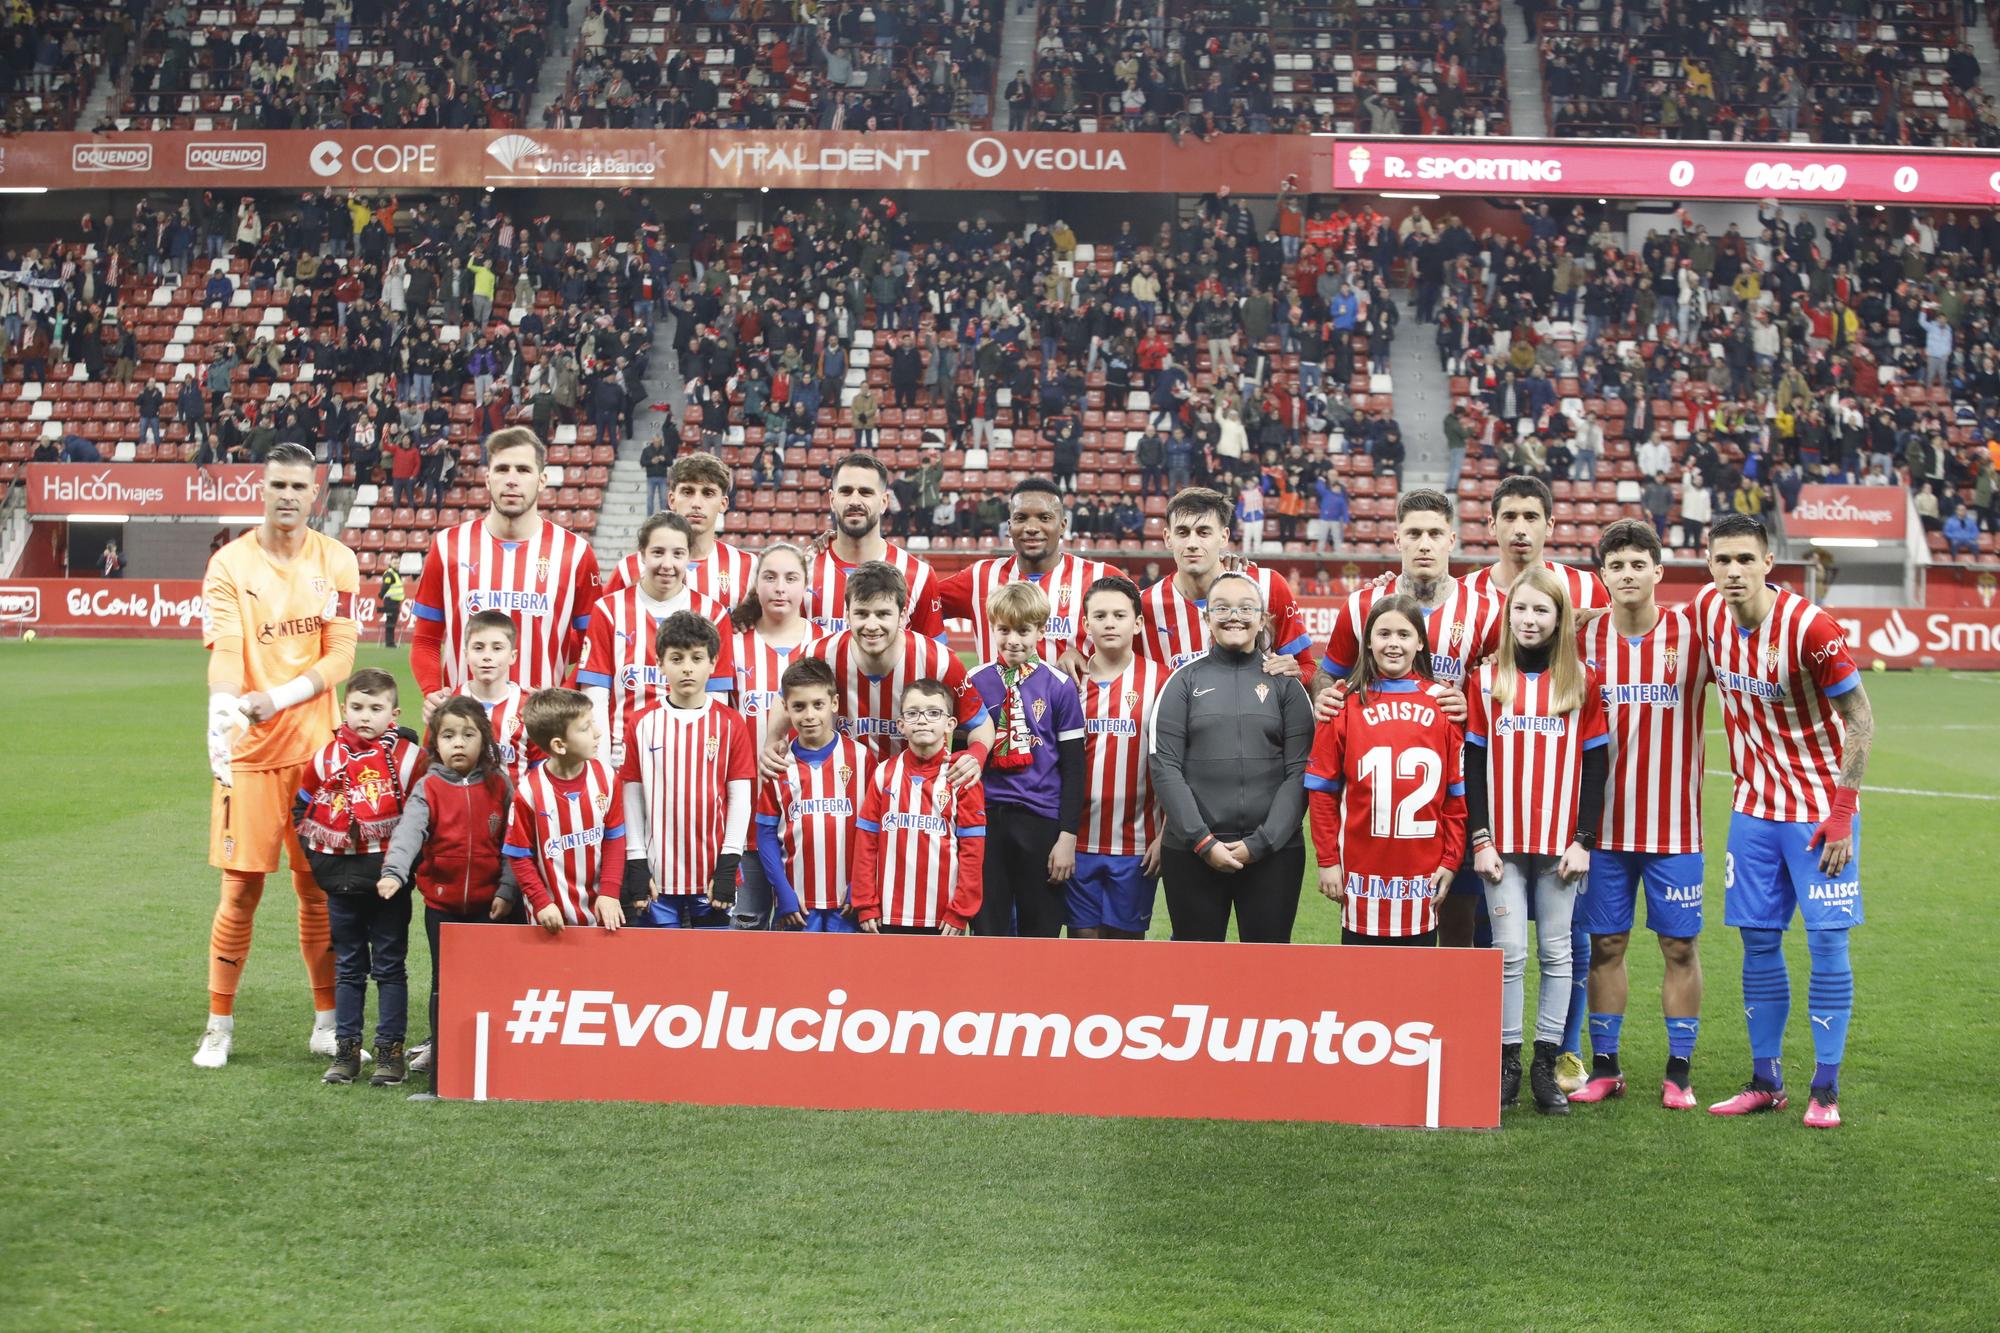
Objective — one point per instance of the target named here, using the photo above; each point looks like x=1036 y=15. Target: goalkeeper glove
x=226 y=725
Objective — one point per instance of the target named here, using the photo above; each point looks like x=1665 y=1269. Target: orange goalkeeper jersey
x=278 y=619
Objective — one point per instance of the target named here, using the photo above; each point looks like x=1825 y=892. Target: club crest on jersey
x=1131 y=698
x=710 y=748
x=493 y=826
x=319 y=587
x=603 y=803
x=1458 y=634
x=1770 y=657
x=542 y=570
x=844 y=774
x=1263 y=692
x=1672 y=657
x=1038 y=708
x=1062 y=599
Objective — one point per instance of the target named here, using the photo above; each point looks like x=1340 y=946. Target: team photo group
x=706 y=736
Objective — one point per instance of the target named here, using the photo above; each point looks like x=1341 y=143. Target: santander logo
x=1893 y=638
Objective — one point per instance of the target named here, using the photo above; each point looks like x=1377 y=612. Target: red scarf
x=1014 y=749
x=357 y=807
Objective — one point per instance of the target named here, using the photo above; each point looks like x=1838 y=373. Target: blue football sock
x=1681 y=1034
x=1829 y=1003
x=1604 y=1033
x=1767 y=999
x=1579 y=995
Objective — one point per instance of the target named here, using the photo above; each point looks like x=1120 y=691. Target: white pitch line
x=1898 y=791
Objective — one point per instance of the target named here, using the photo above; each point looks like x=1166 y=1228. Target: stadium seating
x=273 y=65
x=1431 y=68
x=1894 y=75
x=913 y=66
x=48 y=64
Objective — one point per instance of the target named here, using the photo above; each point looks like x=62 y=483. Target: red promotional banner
x=1123 y=163
x=1852 y=513
x=849 y=1022
x=117 y=608
x=156 y=490
x=1663 y=169
x=667 y=159
x=1958 y=638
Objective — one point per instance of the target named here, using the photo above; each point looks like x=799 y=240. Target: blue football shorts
x=1673 y=893
x=1770 y=871
x=1111 y=891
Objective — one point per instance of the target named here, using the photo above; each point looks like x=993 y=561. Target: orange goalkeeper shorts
x=249 y=822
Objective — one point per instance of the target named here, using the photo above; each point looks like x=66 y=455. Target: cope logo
x=329 y=158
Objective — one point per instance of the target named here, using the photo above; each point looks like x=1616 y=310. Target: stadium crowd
x=342 y=64
x=389 y=331
x=1729 y=368
x=1835 y=71
x=1438 y=66
x=904 y=65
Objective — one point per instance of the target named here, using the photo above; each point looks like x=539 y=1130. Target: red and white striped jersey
x=683 y=760
x=921 y=852
x=547 y=583
x=1777 y=683
x=723 y=576
x=964 y=596
x=1533 y=758
x=1386 y=784
x=760 y=667
x=1463 y=629
x=1586 y=591
x=563 y=824
x=871 y=705
x=1121 y=817
x=811 y=811
x=1175 y=633
x=1655 y=688
x=618 y=655
x=510 y=732
x=826 y=600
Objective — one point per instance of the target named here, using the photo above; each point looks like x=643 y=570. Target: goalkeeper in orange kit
x=278 y=622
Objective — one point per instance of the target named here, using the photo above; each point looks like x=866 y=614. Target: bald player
x=278 y=621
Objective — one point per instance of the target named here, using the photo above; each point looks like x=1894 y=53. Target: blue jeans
x=149 y=430
x=656 y=495
x=371 y=939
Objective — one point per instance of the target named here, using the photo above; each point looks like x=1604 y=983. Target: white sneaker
x=213 y=1053
x=323 y=1042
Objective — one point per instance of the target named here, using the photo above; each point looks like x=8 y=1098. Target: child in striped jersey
x=806 y=819
x=1534 y=776
x=492 y=643
x=920 y=858
x=565 y=845
x=687 y=774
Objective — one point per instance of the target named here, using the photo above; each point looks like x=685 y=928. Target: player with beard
x=512 y=560
x=1037 y=520
x=860 y=490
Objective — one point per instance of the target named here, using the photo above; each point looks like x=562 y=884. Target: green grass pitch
x=138 y=1191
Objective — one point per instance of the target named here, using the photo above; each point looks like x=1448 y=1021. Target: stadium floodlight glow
x=489 y=189
x=1405 y=194
x=24 y=189
x=1846 y=542
x=763 y=189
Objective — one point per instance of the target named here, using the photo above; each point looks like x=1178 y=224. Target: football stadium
x=1000 y=663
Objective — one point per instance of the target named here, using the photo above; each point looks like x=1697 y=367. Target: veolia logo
x=987 y=157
